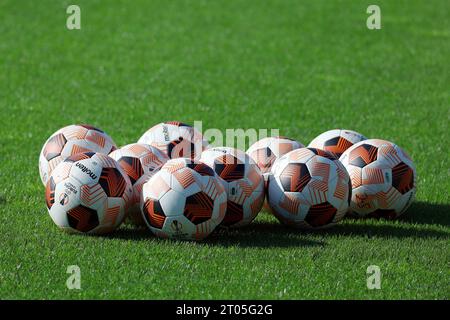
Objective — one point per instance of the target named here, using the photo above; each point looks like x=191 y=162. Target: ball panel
x=112 y=182
x=355 y=176
x=321 y=214
x=264 y=158
x=229 y=168
x=66 y=197
x=402 y=178
x=362 y=155
x=80 y=156
x=61 y=172
x=53 y=147
x=89 y=127
x=257 y=203
x=291 y=203
x=234 y=213
x=352 y=136
x=336 y=141
x=177 y=123
x=92 y=196
x=74 y=147
x=337 y=146
x=375 y=175
x=138 y=150
x=339 y=193
x=173 y=165
x=280 y=147
x=153 y=159
x=179 y=227
x=198 y=208
x=184 y=178
x=181 y=148
x=134 y=214
x=185 y=182
x=316 y=191
x=74 y=132
x=113 y=214
x=97 y=138
x=158 y=185
x=294 y=177
x=322 y=169
x=221 y=209
x=82 y=218
x=44 y=167
x=86 y=171
x=364 y=199
x=299 y=155
x=323 y=153
x=50 y=192
x=388 y=154
x=153 y=213
x=274 y=190
x=202 y=169
x=369 y=198
x=318 y=142
x=173 y=202
x=132 y=167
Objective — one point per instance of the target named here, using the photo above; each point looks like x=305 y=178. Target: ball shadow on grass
x=262 y=235
x=265 y=234
x=427 y=213
x=258 y=234
x=416 y=222
x=383 y=230
x=276 y=235
x=2 y=199
x=127 y=232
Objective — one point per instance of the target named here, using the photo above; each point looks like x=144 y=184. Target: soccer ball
x=309 y=188
x=176 y=139
x=183 y=200
x=71 y=140
x=139 y=162
x=88 y=193
x=242 y=180
x=336 y=141
x=383 y=178
x=265 y=151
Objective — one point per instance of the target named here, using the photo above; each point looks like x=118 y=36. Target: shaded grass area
x=301 y=67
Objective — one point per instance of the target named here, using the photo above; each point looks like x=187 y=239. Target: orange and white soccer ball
x=383 y=178
x=265 y=151
x=176 y=139
x=71 y=140
x=183 y=200
x=88 y=193
x=336 y=141
x=242 y=180
x=309 y=188
x=140 y=162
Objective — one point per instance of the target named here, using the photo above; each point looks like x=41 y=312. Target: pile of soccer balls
x=171 y=182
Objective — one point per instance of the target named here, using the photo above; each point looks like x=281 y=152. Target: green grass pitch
x=301 y=66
